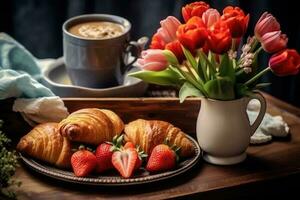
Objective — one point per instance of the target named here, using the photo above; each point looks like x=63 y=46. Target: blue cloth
x=19 y=71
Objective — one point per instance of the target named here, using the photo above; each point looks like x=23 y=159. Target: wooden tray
x=271 y=170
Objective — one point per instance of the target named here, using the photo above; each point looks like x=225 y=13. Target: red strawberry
x=83 y=162
x=104 y=154
x=162 y=158
x=129 y=145
x=141 y=154
x=124 y=161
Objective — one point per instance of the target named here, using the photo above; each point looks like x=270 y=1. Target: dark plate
x=142 y=176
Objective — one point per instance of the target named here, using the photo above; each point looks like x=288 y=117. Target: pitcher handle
x=135 y=48
x=261 y=113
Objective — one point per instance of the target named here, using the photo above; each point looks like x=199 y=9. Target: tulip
x=194 y=9
x=153 y=60
x=219 y=37
x=157 y=42
x=267 y=23
x=236 y=21
x=273 y=41
x=176 y=49
x=168 y=29
x=286 y=62
x=165 y=34
x=210 y=16
x=193 y=34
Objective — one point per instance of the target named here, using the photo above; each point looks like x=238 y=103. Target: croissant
x=149 y=133
x=91 y=126
x=45 y=143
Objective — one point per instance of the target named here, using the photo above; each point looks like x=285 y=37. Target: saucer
x=57 y=79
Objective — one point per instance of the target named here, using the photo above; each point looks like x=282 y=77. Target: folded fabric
x=269 y=127
x=20 y=84
x=40 y=110
x=19 y=78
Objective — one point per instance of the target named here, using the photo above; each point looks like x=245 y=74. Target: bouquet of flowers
x=202 y=56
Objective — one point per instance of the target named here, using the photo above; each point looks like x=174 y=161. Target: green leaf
x=212 y=59
x=190 y=58
x=170 y=57
x=262 y=85
x=201 y=67
x=226 y=68
x=166 y=77
x=241 y=90
x=188 y=90
x=221 y=88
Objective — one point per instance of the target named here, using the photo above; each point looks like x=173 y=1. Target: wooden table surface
x=270 y=170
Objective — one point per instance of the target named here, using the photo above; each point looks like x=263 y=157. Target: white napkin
x=269 y=127
x=41 y=110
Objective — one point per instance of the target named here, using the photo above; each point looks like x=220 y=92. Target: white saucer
x=57 y=79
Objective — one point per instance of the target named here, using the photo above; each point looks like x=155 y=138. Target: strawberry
x=162 y=158
x=129 y=145
x=141 y=154
x=124 y=161
x=103 y=154
x=83 y=162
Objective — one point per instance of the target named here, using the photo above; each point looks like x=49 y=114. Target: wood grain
x=269 y=170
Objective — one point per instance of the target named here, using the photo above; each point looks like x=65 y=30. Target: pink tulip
x=267 y=23
x=273 y=41
x=168 y=29
x=210 y=16
x=153 y=60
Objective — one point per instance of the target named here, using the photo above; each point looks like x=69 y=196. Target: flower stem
x=257 y=76
x=241 y=70
x=233 y=44
x=255 y=43
x=258 y=50
x=192 y=81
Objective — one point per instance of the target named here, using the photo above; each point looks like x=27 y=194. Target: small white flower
x=247 y=70
x=232 y=54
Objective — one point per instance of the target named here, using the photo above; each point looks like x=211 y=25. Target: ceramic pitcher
x=224 y=130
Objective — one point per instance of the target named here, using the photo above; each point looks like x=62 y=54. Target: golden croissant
x=149 y=133
x=91 y=126
x=45 y=143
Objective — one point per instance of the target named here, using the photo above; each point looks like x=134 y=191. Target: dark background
x=37 y=25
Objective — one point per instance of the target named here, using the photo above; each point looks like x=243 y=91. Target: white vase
x=224 y=130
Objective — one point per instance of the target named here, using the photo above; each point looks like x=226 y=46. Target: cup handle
x=261 y=113
x=134 y=48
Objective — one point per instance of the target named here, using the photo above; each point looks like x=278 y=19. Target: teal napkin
x=19 y=71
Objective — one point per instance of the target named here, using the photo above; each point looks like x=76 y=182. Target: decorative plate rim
x=68 y=176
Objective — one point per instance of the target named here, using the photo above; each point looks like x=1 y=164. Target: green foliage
x=208 y=75
x=8 y=164
x=221 y=88
x=166 y=77
x=188 y=90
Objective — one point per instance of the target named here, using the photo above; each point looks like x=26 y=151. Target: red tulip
x=266 y=23
x=219 y=37
x=210 y=16
x=194 y=9
x=153 y=60
x=193 y=34
x=273 y=41
x=176 y=48
x=286 y=62
x=165 y=34
x=236 y=21
x=157 y=42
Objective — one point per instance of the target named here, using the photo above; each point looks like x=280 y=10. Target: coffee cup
x=98 y=51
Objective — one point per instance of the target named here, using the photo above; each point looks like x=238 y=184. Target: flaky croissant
x=91 y=126
x=45 y=143
x=149 y=133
